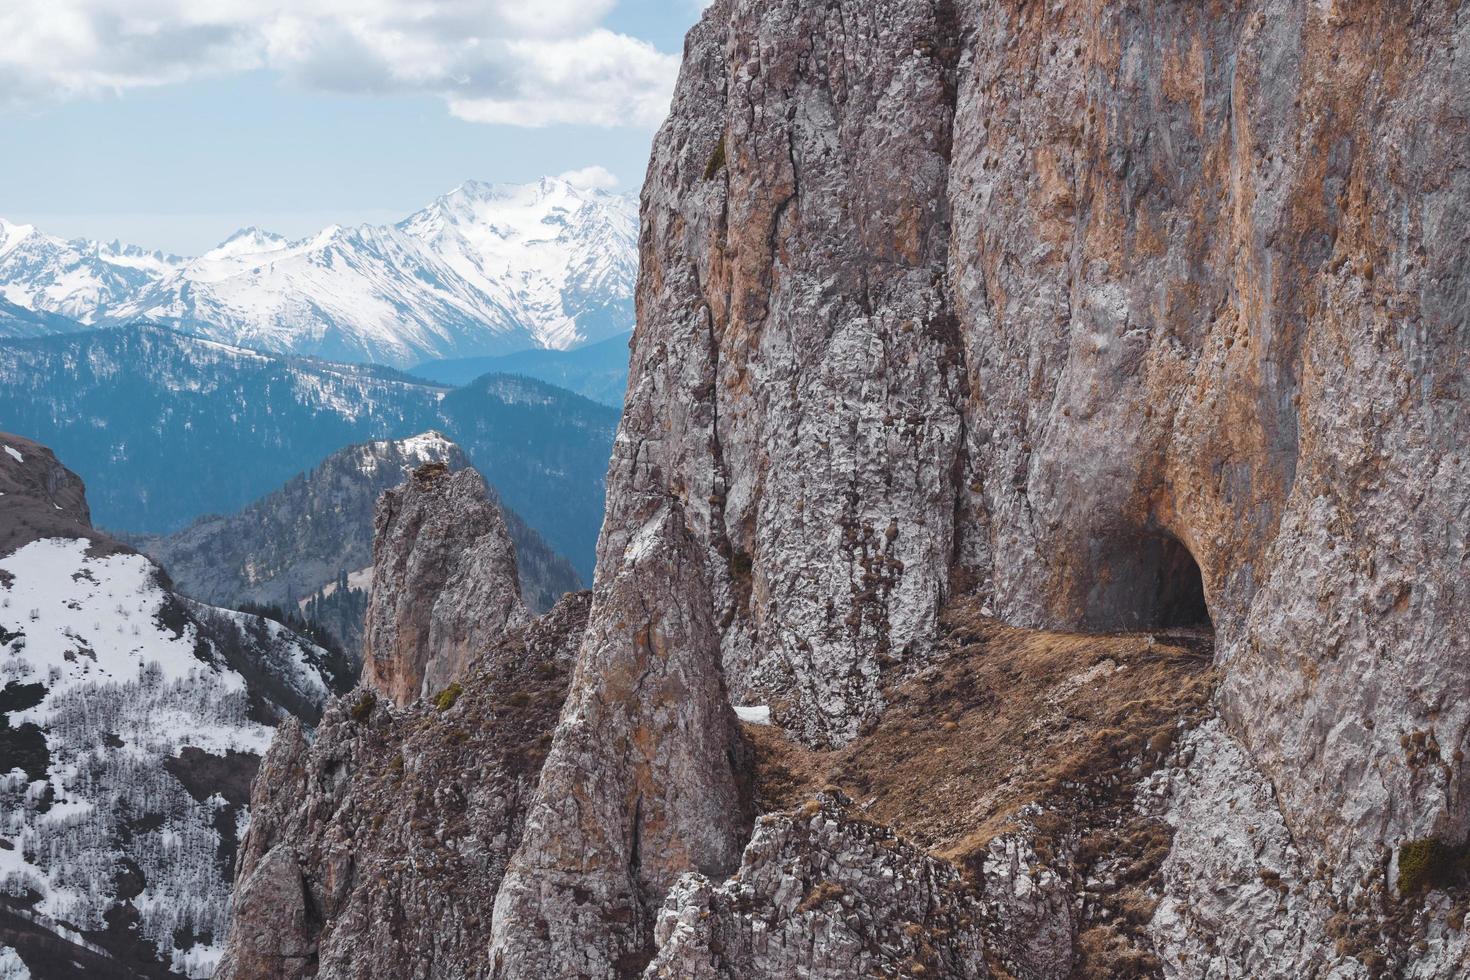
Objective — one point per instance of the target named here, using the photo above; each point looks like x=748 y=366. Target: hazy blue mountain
x=18 y=321
x=597 y=371
x=313 y=538
x=167 y=427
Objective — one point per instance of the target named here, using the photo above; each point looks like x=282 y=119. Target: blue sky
x=176 y=146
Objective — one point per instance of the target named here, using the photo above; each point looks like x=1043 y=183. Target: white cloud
x=501 y=61
x=594 y=177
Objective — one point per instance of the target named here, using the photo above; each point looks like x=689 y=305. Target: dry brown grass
x=1005 y=717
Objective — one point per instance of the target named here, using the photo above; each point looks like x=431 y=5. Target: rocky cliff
x=376 y=846
x=1082 y=317
x=444 y=578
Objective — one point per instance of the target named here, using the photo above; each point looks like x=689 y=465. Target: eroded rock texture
x=821 y=892
x=1064 y=303
x=444 y=582
x=645 y=779
x=376 y=848
x=796 y=379
x=1099 y=316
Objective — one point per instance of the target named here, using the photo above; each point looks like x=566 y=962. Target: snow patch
x=755 y=714
x=15 y=454
x=125 y=681
x=12 y=967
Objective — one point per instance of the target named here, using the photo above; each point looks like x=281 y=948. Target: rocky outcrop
x=796 y=374
x=821 y=892
x=645 y=779
x=444 y=582
x=291 y=543
x=376 y=848
x=42 y=498
x=1117 y=317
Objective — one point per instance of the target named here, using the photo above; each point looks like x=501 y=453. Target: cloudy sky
x=169 y=123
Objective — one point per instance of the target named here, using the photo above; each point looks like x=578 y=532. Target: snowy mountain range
x=485 y=269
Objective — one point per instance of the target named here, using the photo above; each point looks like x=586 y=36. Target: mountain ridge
x=168 y=427
x=483 y=269
x=295 y=541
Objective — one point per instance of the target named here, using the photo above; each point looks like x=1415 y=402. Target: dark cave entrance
x=1149 y=582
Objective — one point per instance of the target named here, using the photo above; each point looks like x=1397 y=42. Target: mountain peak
x=12 y=235
x=247 y=241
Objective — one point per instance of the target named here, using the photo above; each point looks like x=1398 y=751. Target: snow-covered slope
x=485 y=269
x=131 y=723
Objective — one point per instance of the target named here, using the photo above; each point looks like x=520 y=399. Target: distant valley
x=308 y=546
x=166 y=427
x=597 y=371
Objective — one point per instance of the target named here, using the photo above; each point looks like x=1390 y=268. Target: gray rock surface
x=796 y=379
x=645 y=778
x=822 y=893
x=376 y=847
x=444 y=585
x=1113 y=316
x=1058 y=305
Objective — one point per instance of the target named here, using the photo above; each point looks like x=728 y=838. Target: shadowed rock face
x=644 y=780
x=444 y=582
x=43 y=498
x=375 y=849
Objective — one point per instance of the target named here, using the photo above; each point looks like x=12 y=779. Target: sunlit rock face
x=1069 y=307
x=938 y=298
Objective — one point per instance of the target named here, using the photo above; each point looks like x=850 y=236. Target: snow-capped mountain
x=485 y=269
x=131 y=723
x=77 y=279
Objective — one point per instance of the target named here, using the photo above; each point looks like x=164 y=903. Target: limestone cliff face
x=444 y=583
x=644 y=778
x=1053 y=304
x=1095 y=317
x=1057 y=304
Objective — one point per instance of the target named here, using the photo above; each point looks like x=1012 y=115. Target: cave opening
x=1180 y=589
x=1148 y=581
